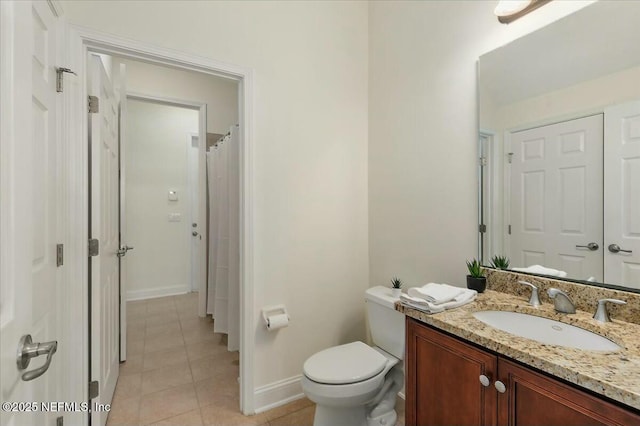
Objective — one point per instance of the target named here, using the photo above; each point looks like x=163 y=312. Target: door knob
x=123 y=250
x=590 y=246
x=27 y=350
x=614 y=248
x=194 y=233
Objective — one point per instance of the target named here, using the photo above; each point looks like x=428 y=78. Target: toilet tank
x=387 y=324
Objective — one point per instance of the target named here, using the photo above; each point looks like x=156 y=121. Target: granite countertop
x=615 y=375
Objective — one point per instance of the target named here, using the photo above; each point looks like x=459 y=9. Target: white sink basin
x=546 y=331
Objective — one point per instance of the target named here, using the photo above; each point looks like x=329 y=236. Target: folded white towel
x=541 y=270
x=466 y=296
x=435 y=293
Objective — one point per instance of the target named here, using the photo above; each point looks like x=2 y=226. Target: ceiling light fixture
x=508 y=11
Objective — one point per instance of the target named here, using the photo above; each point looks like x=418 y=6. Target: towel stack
x=433 y=298
x=541 y=270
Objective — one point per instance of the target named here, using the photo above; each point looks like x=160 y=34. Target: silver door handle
x=590 y=246
x=123 y=250
x=614 y=248
x=27 y=350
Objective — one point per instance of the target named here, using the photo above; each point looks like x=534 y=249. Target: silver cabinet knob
x=27 y=350
x=484 y=380
x=614 y=248
x=500 y=386
x=590 y=246
x=194 y=233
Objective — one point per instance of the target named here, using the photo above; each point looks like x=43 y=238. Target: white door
x=622 y=195
x=30 y=224
x=103 y=128
x=194 y=226
x=556 y=197
x=124 y=247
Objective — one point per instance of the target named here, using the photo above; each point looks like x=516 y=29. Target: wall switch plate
x=173 y=195
x=175 y=217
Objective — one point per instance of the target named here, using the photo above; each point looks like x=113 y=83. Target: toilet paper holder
x=273 y=311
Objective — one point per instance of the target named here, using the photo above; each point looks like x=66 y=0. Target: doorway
x=242 y=77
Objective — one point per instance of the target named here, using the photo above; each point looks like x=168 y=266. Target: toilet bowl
x=356 y=384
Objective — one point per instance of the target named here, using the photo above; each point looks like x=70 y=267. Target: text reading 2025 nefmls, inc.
x=53 y=407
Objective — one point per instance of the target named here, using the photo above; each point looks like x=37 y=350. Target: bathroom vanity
x=462 y=371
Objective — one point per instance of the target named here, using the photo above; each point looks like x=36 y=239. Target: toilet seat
x=351 y=363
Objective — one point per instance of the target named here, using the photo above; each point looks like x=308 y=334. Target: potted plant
x=396 y=287
x=500 y=262
x=475 y=280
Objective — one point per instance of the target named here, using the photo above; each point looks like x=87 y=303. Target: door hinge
x=94 y=104
x=59 y=77
x=482 y=228
x=60 y=421
x=483 y=161
x=59 y=254
x=509 y=230
x=94 y=389
x=94 y=247
x=510 y=157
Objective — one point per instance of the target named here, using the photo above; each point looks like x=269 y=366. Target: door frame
x=201 y=107
x=78 y=42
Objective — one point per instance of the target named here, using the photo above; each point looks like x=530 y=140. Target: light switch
x=173 y=195
x=175 y=217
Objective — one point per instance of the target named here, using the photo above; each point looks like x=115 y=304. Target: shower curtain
x=223 y=289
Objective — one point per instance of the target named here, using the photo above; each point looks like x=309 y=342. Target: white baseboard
x=152 y=293
x=277 y=393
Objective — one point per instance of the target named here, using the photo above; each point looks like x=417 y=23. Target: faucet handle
x=534 y=300
x=601 y=313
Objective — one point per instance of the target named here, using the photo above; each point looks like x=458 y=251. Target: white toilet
x=356 y=384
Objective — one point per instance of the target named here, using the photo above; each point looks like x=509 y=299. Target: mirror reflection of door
x=556 y=197
x=547 y=79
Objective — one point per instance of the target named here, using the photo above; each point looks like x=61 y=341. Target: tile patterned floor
x=178 y=372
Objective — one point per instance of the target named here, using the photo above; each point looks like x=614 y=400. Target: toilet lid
x=350 y=363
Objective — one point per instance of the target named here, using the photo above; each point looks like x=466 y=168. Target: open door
x=103 y=227
x=124 y=248
x=31 y=287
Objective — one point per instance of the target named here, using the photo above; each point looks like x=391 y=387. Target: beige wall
x=423 y=131
x=220 y=94
x=156 y=162
x=310 y=64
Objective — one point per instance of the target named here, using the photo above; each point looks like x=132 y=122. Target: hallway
x=178 y=372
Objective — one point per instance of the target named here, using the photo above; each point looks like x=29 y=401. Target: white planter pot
x=396 y=292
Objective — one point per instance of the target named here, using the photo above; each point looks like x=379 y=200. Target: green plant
x=475 y=268
x=396 y=283
x=500 y=262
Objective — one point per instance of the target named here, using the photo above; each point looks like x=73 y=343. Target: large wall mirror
x=559 y=142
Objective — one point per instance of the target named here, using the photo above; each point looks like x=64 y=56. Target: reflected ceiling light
x=509 y=10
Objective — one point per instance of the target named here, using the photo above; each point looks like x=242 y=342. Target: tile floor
x=178 y=372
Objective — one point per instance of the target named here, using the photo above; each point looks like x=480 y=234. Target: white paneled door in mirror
x=556 y=197
x=622 y=195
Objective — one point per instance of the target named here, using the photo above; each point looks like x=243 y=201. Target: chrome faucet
x=561 y=301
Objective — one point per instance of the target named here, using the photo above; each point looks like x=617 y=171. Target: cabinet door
x=443 y=386
x=534 y=399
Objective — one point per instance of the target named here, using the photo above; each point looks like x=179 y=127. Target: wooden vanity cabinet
x=444 y=388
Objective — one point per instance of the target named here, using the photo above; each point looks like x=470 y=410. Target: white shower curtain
x=223 y=297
